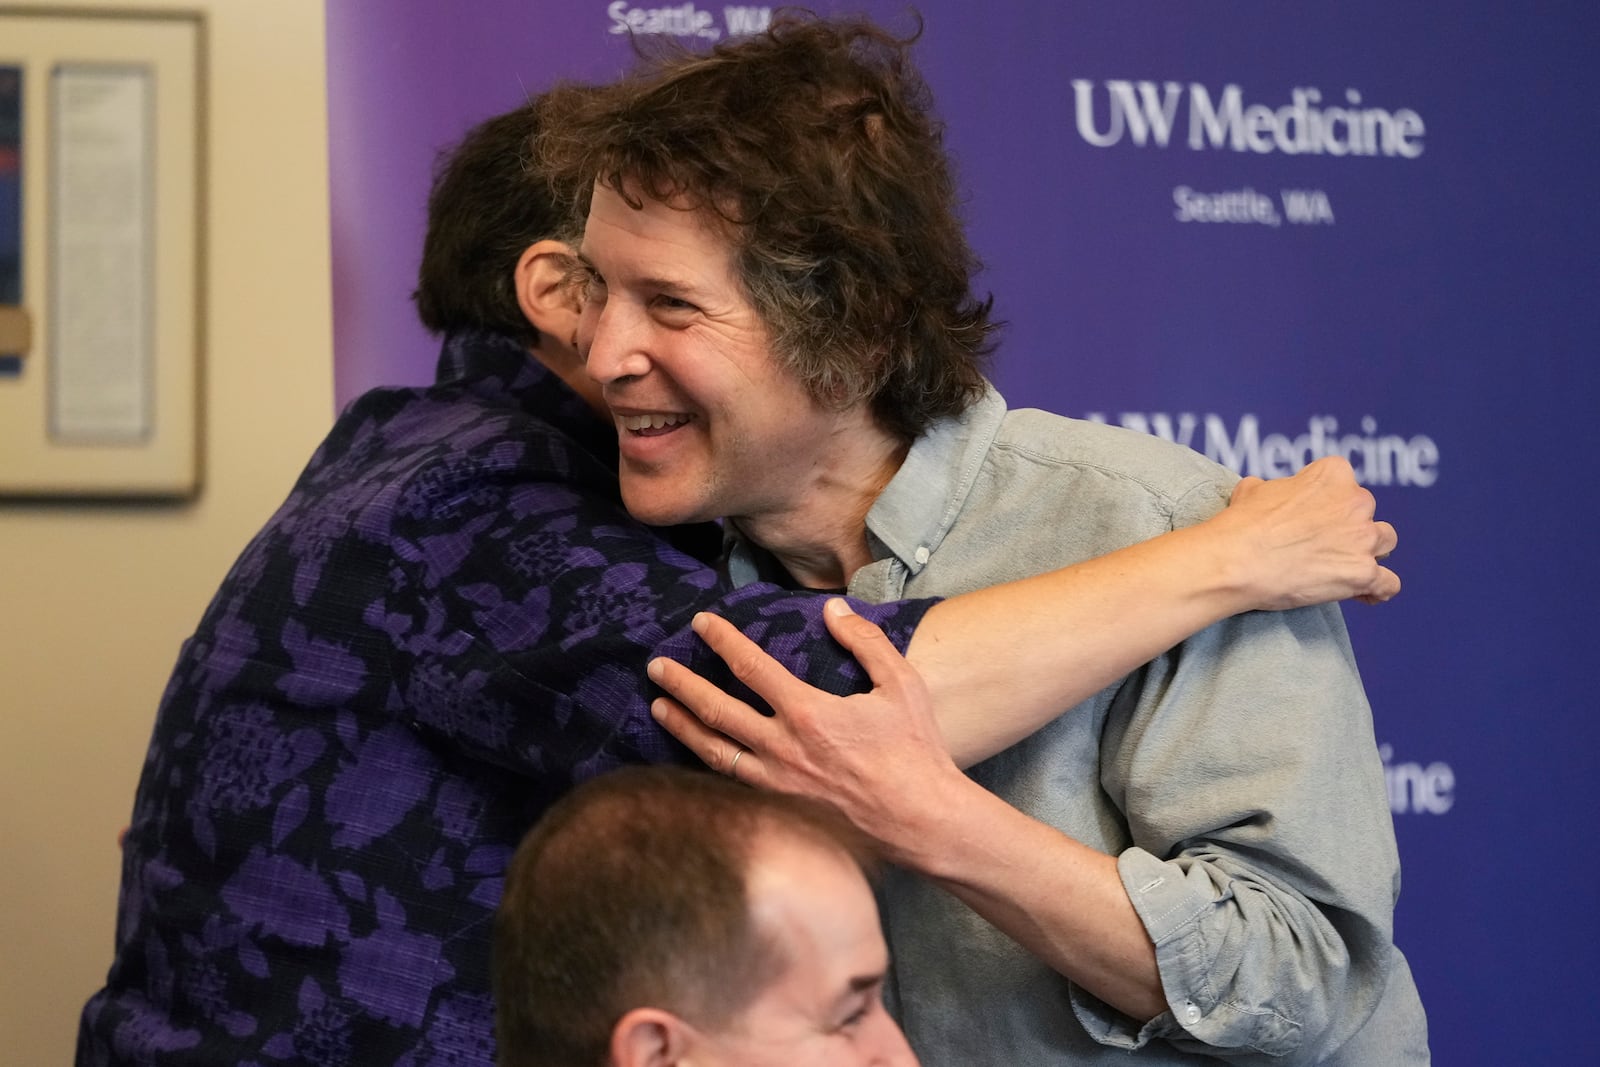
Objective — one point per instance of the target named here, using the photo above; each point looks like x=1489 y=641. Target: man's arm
x=1255 y=904
x=556 y=600
x=1001 y=662
x=881 y=759
x=1266 y=872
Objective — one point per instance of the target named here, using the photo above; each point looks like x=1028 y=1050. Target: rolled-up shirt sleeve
x=1263 y=863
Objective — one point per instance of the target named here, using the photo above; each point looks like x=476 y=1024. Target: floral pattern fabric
x=442 y=629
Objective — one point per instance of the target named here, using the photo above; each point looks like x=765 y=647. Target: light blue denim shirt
x=1236 y=779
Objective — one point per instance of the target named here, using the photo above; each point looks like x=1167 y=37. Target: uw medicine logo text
x=1377 y=458
x=1146 y=114
x=686 y=20
x=1415 y=789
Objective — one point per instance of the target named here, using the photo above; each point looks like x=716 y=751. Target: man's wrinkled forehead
x=670 y=244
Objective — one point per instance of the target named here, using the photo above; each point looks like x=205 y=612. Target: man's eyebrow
x=863 y=982
x=674 y=287
x=669 y=286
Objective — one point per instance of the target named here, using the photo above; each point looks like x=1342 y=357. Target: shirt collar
x=921 y=502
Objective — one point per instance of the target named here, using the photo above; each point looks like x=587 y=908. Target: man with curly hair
x=1196 y=862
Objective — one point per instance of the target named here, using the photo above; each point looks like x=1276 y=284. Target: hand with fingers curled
x=1313 y=537
x=867 y=754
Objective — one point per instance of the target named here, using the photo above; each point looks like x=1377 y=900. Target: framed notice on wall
x=99 y=222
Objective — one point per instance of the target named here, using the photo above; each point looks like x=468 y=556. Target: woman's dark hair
x=485 y=209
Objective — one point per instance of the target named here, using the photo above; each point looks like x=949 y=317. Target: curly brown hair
x=816 y=145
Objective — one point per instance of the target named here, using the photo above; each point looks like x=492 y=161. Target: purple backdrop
x=1184 y=237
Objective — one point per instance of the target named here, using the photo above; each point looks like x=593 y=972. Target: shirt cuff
x=1173 y=903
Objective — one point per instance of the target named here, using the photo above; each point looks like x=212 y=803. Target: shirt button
x=922 y=554
x=1191 y=1012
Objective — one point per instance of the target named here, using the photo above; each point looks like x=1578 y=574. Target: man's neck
x=822 y=540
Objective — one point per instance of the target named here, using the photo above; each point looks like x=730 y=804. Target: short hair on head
x=630 y=892
x=816 y=146
x=485 y=208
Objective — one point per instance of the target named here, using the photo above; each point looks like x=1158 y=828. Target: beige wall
x=95 y=600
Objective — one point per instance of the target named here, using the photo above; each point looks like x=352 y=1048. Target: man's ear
x=649 y=1037
x=544 y=293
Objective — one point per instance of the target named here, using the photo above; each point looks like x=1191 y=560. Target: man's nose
x=613 y=342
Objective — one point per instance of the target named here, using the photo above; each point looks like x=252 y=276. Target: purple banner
x=1269 y=232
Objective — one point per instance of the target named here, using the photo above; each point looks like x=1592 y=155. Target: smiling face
x=710 y=423
x=826 y=1006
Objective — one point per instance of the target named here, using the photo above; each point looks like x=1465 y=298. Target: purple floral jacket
x=443 y=628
